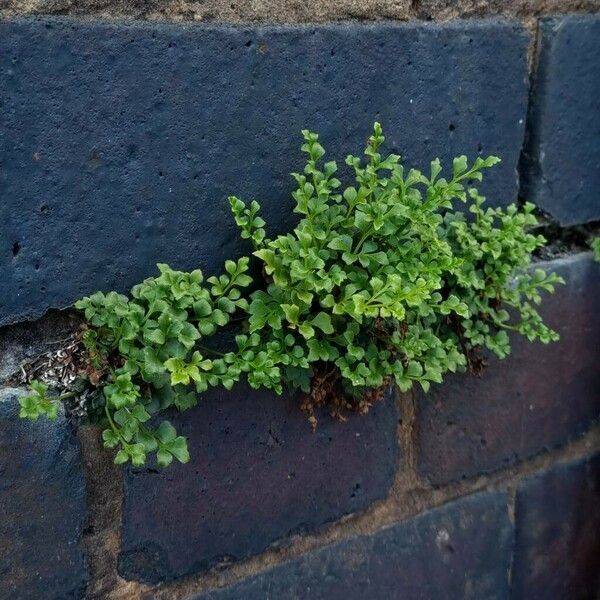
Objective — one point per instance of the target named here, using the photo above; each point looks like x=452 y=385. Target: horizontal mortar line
x=183 y=18
x=400 y=506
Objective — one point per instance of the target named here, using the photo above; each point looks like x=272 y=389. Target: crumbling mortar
x=563 y=241
x=293 y=12
x=414 y=9
x=526 y=11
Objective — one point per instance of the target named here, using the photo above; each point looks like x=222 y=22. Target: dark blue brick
x=539 y=397
x=557 y=521
x=459 y=551
x=42 y=499
x=121 y=142
x=257 y=475
x=563 y=148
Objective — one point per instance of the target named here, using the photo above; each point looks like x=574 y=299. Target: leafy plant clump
x=382 y=281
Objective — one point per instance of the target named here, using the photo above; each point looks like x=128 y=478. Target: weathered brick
x=461 y=550
x=557 y=520
x=563 y=146
x=121 y=142
x=42 y=495
x=539 y=397
x=257 y=475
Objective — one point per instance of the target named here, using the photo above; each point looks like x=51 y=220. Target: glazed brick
x=459 y=551
x=563 y=146
x=121 y=142
x=257 y=475
x=42 y=495
x=540 y=397
x=557 y=520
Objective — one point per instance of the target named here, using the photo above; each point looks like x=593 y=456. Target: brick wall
x=113 y=133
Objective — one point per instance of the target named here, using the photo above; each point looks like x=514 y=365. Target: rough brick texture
x=459 y=551
x=539 y=397
x=563 y=146
x=131 y=136
x=452 y=9
x=290 y=11
x=216 y=10
x=557 y=549
x=42 y=495
x=257 y=475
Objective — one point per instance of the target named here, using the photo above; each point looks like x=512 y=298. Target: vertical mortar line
x=512 y=502
x=407 y=472
x=531 y=25
x=414 y=9
x=102 y=538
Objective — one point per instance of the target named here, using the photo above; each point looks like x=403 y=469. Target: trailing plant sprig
x=402 y=276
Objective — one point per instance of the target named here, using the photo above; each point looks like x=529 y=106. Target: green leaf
x=154 y=336
x=342 y=243
x=459 y=165
x=206 y=328
x=137 y=453
x=121 y=457
x=185 y=401
x=166 y=432
x=164 y=458
x=219 y=317
x=306 y=330
x=202 y=308
x=147 y=440
x=179 y=449
x=292 y=312
x=188 y=335
x=110 y=438
x=323 y=322
x=152 y=362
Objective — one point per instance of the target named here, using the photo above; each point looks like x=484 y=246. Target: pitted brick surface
x=257 y=475
x=121 y=142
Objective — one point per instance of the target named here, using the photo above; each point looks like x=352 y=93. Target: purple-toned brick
x=459 y=551
x=557 y=543
x=540 y=397
x=257 y=475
